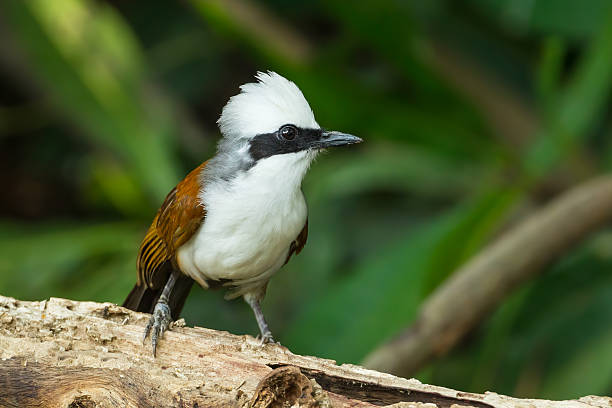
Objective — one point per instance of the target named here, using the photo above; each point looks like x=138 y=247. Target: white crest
x=264 y=106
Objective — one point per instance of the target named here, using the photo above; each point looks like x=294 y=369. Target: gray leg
x=266 y=334
x=161 y=318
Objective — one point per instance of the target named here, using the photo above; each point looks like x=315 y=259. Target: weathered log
x=63 y=353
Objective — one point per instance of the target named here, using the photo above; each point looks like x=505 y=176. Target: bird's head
x=271 y=117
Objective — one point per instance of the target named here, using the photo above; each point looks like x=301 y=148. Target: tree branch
x=63 y=353
x=483 y=283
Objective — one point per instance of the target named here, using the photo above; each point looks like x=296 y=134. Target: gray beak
x=331 y=138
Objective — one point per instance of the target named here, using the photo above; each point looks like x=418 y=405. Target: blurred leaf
x=564 y=333
x=364 y=111
x=549 y=72
x=115 y=183
x=34 y=259
x=589 y=372
x=369 y=296
x=563 y=17
x=364 y=22
x=487 y=362
x=550 y=339
x=265 y=34
x=578 y=107
x=379 y=304
x=379 y=167
x=87 y=58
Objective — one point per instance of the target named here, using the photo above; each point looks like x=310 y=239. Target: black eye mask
x=270 y=144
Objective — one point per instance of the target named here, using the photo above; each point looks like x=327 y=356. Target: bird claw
x=158 y=323
x=266 y=339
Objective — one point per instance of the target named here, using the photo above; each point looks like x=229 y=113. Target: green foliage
x=114 y=102
x=91 y=63
x=81 y=261
x=551 y=339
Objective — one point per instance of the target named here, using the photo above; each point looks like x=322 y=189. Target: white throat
x=275 y=177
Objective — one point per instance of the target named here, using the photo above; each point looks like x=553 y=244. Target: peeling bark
x=63 y=353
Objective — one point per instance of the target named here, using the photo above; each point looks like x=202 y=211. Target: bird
x=238 y=217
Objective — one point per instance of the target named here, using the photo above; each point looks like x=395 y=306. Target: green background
x=474 y=113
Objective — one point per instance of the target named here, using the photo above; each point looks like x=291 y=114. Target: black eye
x=288 y=132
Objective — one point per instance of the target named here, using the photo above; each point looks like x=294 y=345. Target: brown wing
x=175 y=223
x=298 y=244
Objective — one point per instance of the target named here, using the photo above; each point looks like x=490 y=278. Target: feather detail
x=177 y=220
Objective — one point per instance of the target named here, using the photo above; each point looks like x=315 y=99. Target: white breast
x=250 y=223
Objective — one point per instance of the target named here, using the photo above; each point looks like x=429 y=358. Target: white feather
x=250 y=224
x=264 y=107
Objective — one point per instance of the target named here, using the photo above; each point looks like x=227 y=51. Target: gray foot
x=266 y=334
x=158 y=323
x=266 y=338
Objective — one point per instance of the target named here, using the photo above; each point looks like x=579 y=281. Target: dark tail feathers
x=143 y=299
